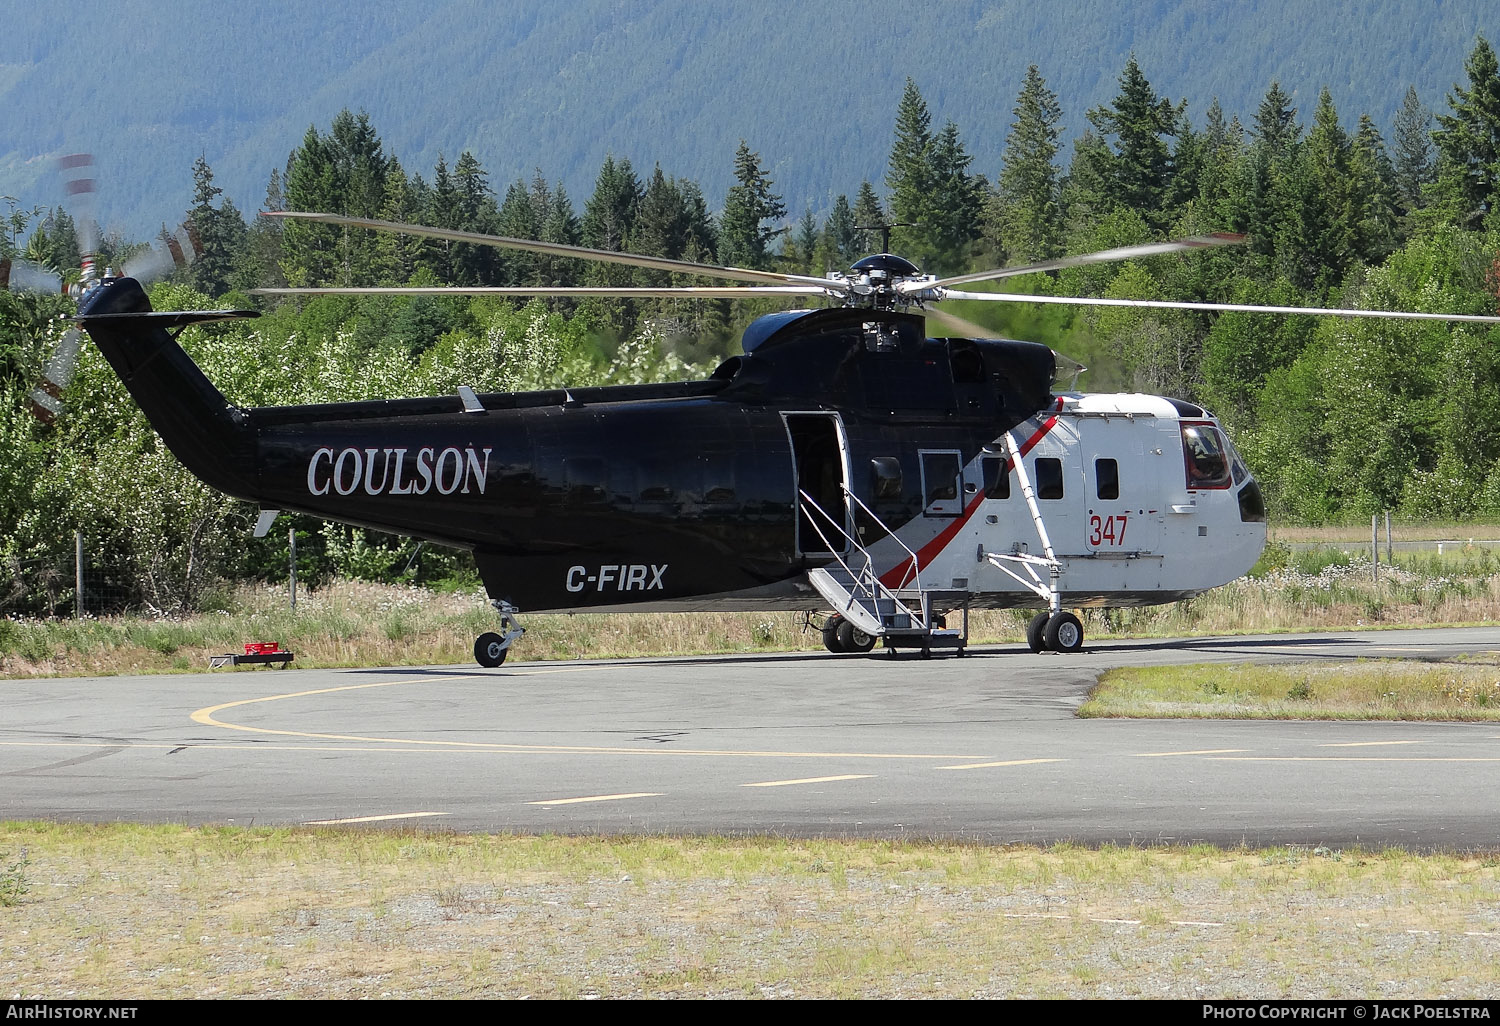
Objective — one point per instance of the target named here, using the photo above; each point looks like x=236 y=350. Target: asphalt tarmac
x=983 y=748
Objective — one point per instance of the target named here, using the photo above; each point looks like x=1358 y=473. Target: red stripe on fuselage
x=900 y=575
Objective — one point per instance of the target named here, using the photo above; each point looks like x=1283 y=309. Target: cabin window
x=885 y=478
x=1107 y=479
x=1205 y=456
x=940 y=487
x=1049 y=478
x=996 y=472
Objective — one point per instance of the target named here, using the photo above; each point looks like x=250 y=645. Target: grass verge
x=1458 y=689
x=356 y=623
x=162 y=911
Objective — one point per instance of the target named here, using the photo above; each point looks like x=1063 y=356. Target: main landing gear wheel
x=1036 y=631
x=831 y=634
x=490 y=650
x=852 y=639
x=1064 y=633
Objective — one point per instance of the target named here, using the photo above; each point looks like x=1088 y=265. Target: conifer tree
x=472 y=209
x=57 y=243
x=956 y=203
x=1374 y=196
x=1469 y=138
x=561 y=225
x=442 y=211
x=1315 y=239
x=359 y=166
x=608 y=220
x=868 y=216
x=608 y=214
x=1139 y=121
x=1276 y=125
x=1026 y=217
x=1413 y=163
x=660 y=221
x=839 y=243
x=910 y=177
x=802 y=244
x=518 y=220
x=1086 y=188
x=399 y=256
x=743 y=234
x=1221 y=145
x=221 y=232
x=307 y=246
x=260 y=258
x=660 y=226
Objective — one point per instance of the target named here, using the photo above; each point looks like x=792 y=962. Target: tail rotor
x=177 y=251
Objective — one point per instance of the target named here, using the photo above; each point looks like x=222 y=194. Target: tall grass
x=354 y=623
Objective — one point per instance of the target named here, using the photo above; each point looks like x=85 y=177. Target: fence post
x=1375 y=549
x=291 y=547
x=1389 y=559
x=77 y=575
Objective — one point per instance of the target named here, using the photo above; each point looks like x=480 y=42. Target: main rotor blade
x=967 y=328
x=1065 y=364
x=46 y=398
x=1102 y=257
x=1155 y=304
x=559 y=249
x=25 y=276
x=642 y=292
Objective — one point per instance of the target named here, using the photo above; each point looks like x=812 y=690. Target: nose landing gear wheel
x=852 y=639
x=1064 y=633
x=1036 y=631
x=490 y=650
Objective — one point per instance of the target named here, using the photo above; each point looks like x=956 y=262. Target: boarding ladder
x=900 y=616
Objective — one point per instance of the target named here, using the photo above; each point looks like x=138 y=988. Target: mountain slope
x=147 y=86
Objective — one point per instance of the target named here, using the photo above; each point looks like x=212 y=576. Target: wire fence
x=80 y=582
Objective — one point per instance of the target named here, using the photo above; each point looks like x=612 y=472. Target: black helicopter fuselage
x=672 y=496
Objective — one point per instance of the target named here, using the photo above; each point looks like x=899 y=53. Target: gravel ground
x=165 y=912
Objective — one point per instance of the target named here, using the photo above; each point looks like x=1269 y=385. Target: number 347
x=1107 y=530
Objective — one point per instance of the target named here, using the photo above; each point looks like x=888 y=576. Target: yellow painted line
x=373 y=819
x=810 y=780
x=208 y=717
x=1203 y=751
x=1371 y=744
x=1353 y=758
x=412 y=746
x=598 y=798
x=991 y=765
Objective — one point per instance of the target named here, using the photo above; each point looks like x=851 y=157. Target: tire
x=1036 y=631
x=1064 y=633
x=853 y=639
x=831 y=634
x=490 y=650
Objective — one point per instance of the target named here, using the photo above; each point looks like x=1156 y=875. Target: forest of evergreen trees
x=1339 y=418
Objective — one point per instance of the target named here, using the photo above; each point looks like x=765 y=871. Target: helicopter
x=843 y=462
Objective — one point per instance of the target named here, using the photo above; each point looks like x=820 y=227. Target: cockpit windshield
x=1206 y=455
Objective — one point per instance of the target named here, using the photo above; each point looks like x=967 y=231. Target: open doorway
x=818 y=459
